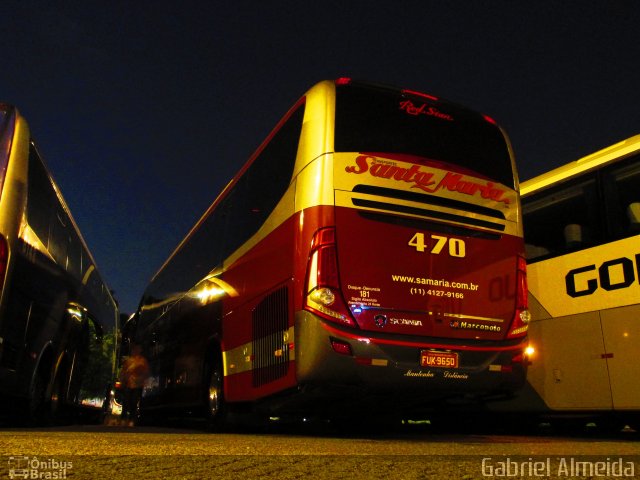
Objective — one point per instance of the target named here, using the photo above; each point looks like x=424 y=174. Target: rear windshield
x=372 y=119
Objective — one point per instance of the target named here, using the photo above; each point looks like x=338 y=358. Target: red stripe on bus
x=402 y=343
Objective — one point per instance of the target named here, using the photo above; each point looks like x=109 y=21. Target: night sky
x=143 y=110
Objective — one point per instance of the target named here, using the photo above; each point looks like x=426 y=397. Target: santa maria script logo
x=426 y=180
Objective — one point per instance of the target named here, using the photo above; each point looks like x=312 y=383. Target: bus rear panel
x=415 y=285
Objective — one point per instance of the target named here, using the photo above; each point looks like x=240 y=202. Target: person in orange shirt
x=135 y=371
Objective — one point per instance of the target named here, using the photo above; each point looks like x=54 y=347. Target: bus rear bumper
x=329 y=356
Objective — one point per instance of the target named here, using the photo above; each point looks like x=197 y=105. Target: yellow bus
x=370 y=249
x=58 y=318
x=582 y=239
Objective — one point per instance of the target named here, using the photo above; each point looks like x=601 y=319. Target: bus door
x=570 y=368
x=621 y=331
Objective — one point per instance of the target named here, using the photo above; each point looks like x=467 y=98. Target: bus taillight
x=420 y=94
x=323 y=295
x=522 y=317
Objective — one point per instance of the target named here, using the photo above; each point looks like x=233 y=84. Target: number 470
x=437 y=243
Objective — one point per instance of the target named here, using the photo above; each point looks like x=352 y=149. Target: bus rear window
x=369 y=119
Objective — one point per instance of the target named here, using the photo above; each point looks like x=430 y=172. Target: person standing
x=135 y=371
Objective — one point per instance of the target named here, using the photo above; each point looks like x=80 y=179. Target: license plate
x=429 y=358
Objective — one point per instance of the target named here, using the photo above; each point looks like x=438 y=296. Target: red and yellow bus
x=371 y=247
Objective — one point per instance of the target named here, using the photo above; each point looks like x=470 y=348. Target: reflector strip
x=423 y=345
x=467 y=317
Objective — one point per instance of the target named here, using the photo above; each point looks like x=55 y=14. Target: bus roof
x=592 y=161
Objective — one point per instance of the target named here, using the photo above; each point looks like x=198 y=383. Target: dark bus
x=58 y=319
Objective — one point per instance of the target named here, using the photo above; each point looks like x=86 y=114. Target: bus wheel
x=216 y=409
x=57 y=401
x=37 y=406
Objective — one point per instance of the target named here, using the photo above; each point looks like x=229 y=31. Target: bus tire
x=216 y=410
x=38 y=404
x=57 y=401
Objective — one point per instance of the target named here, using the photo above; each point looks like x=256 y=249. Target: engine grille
x=270 y=321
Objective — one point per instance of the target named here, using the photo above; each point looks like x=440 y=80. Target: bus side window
x=562 y=220
x=573 y=237
x=621 y=197
x=74 y=255
x=59 y=236
x=535 y=252
x=40 y=197
x=237 y=217
x=633 y=213
x=258 y=192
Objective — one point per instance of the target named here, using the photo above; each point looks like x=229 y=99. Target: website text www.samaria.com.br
x=433 y=282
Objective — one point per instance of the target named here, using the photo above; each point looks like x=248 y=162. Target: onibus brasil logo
x=38 y=468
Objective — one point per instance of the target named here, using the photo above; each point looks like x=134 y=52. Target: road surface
x=118 y=452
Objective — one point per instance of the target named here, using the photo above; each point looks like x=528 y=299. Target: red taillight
x=323 y=295
x=343 y=81
x=4 y=259
x=522 y=317
x=420 y=94
x=490 y=120
x=327 y=267
x=343 y=348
